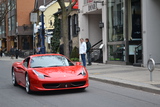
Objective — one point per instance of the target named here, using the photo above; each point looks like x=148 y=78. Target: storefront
x=124 y=31
x=130 y=32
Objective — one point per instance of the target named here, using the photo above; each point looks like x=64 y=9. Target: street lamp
x=42 y=8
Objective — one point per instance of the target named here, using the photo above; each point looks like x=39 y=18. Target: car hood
x=60 y=71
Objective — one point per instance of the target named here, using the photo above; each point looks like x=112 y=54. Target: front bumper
x=58 y=84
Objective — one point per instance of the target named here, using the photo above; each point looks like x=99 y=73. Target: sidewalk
x=127 y=76
x=122 y=75
x=9 y=58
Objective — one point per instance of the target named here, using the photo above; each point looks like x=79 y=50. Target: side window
x=26 y=62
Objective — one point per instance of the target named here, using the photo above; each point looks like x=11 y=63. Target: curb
x=125 y=84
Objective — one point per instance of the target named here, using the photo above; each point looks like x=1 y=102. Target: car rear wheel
x=27 y=84
x=14 y=78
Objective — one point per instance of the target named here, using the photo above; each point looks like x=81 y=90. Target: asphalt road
x=98 y=94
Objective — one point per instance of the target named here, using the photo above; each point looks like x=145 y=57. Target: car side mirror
x=78 y=63
x=19 y=66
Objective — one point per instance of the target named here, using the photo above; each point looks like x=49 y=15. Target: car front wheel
x=27 y=84
x=14 y=82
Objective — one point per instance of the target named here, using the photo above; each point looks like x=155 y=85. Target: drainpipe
x=126 y=31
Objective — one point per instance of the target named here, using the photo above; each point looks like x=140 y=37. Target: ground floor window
x=116 y=52
x=25 y=42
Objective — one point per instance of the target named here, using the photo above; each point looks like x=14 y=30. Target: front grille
x=75 y=84
x=51 y=86
x=64 y=85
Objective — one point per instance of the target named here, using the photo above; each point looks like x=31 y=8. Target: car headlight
x=38 y=74
x=83 y=72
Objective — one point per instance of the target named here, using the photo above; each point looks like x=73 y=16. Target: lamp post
x=42 y=8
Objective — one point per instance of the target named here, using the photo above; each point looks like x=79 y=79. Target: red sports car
x=44 y=72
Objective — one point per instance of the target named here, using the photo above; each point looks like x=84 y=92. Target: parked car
x=44 y=72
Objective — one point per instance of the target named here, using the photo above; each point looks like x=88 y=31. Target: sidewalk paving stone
x=127 y=76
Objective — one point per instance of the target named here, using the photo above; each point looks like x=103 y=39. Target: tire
x=28 y=90
x=14 y=81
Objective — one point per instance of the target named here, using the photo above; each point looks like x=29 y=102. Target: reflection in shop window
x=116 y=52
x=115 y=20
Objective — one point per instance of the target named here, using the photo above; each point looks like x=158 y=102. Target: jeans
x=89 y=58
x=83 y=59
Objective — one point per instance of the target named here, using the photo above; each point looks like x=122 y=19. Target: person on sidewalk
x=82 y=51
x=34 y=51
x=88 y=51
x=38 y=49
x=1 y=52
x=17 y=53
x=12 y=52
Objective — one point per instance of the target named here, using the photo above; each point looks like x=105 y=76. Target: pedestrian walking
x=12 y=52
x=1 y=52
x=17 y=53
x=88 y=51
x=82 y=51
x=34 y=51
x=38 y=50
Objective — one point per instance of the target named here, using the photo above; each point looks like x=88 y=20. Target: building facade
x=124 y=31
x=16 y=29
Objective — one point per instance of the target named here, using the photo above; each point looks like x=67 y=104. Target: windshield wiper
x=55 y=66
x=38 y=67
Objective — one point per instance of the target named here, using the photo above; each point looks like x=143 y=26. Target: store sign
x=92 y=7
x=76 y=5
x=33 y=17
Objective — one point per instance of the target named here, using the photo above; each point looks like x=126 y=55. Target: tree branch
x=62 y=4
x=71 y=5
x=6 y=10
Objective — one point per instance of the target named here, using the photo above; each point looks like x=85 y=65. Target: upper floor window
x=73 y=24
x=115 y=21
x=11 y=4
x=11 y=23
x=3 y=27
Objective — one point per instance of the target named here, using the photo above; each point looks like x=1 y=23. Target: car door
x=24 y=70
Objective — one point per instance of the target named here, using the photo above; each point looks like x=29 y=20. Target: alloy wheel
x=27 y=84
x=14 y=79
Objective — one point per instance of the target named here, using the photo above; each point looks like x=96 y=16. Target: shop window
x=116 y=52
x=115 y=20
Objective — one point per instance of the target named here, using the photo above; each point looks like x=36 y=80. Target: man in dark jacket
x=17 y=53
x=12 y=52
x=88 y=51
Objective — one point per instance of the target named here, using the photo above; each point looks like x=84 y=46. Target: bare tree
x=5 y=7
x=65 y=13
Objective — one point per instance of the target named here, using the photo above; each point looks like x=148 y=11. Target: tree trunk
x=65 y=14
x=65 y=33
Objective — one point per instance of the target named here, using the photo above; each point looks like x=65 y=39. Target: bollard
x=151 y=66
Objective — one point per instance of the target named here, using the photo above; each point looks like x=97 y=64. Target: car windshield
x=50 y=61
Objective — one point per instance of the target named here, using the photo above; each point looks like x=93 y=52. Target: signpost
x=33 y=19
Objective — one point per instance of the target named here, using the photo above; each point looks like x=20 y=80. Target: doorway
x=135 y=31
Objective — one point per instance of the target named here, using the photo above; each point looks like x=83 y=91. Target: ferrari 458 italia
x=44 y=72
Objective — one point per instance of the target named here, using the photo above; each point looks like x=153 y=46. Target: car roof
x=44 y=55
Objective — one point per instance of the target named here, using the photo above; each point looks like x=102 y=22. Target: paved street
x=98 y=94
